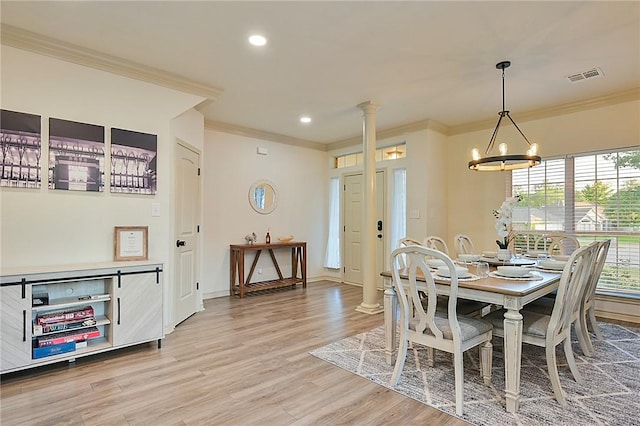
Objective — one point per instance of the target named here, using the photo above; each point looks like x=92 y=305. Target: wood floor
x=239 y=362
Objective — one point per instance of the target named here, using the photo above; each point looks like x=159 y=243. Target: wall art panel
x=76 y=156
x=21 y=149
x=133 y=162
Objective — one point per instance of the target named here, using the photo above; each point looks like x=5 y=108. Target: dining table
x=507 y=292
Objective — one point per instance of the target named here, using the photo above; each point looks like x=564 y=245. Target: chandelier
x=504 y=161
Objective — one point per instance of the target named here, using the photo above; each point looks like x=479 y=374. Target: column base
x=365 y=308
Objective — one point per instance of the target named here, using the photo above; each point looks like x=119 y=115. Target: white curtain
x=332 y=256
x=398 y=208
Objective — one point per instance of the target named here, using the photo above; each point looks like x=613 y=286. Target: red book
x=61 y=316
x=68 y=336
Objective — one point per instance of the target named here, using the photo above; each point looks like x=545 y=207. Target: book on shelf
x=52 y=317
x=53 y=350
x=68 y=336
x=39 y=330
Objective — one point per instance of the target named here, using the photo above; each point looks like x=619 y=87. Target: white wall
x=427 y=184
x=230 y=166
x=47 y=227
x=477 y=194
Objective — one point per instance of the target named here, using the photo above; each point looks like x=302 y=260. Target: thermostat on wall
x=262 y=150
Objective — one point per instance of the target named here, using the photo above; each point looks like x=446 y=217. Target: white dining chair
x=544 y=305
x=462 y=244
x=436 y=243
x=548 y=331
x=432 y=327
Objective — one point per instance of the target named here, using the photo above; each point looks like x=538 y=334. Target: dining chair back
x=423 y=323
x=557 y=243
x=436 y=243
x=462 y=244
x=588 y=305
x=405 y=242
x=549 y=331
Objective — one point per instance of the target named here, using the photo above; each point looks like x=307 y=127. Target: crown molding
x=259 y=134
x=568 y=108
x=391 y=132
x=37 y=43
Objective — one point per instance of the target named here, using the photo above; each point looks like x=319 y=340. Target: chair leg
x=583 y=334
x=568 y=352
x=486 y=358
x=553 y=375
x=458 y=370
x=400 y=358
x=594 y=323
x=431 y=356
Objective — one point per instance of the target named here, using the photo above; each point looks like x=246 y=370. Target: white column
x=369 y=303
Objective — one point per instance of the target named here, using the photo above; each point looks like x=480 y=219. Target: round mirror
x=263 y=197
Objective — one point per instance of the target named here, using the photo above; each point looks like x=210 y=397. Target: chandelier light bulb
x=502 y=148
x=475 y=154
x=533 y=150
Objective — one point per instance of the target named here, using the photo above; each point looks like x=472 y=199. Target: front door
x=186 y=246
x=352 y=219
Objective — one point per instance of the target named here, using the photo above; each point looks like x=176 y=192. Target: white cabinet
x=86 y=309
x=15 y=326
x=138 y=316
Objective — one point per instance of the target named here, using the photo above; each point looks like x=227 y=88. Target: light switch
x=155 y=209
x=414 y=214
x=263 y=151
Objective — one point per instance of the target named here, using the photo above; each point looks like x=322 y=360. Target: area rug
x=609 y=396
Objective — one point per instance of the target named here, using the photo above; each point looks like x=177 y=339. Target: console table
x=241 y=286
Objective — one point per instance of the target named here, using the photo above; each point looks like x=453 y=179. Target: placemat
x=502 y=277
x=470 y=278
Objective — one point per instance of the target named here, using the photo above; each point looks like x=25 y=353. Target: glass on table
x=482 y=269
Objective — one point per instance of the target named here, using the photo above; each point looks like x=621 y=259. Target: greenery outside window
x=594 y=196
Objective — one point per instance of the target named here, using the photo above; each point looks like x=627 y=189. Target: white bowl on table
x=434 y=263
x=561 y=257
x=469 y=257
x=461 y=272
x=513 y=271
x=489 y=254
x=556 y=265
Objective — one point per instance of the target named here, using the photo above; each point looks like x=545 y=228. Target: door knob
x=181 y=243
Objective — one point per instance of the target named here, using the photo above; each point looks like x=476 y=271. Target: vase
x=503 y=254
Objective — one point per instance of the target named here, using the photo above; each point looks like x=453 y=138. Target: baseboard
x=618 y=308
x=215 y=294
x=225 y=293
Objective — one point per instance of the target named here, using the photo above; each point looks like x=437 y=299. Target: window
x=398 y=208
x=382 y=154
x=595 y=196
x=332 y=255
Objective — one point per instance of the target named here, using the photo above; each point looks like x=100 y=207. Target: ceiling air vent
x=593 y=72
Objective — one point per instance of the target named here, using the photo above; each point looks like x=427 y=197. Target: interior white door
x=352 y=219
x=187 y=219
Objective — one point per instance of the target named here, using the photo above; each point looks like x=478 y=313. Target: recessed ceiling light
x=257 y=40
x=305 y=119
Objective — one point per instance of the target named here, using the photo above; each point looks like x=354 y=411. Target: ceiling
x=420 y=60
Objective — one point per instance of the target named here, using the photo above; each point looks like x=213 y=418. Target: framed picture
x=131 y=242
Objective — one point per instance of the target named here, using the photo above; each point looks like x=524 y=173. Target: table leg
x=512 y=358
x=240 y=259
x=232 y=273
x=390 y=321
x=303 y=266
